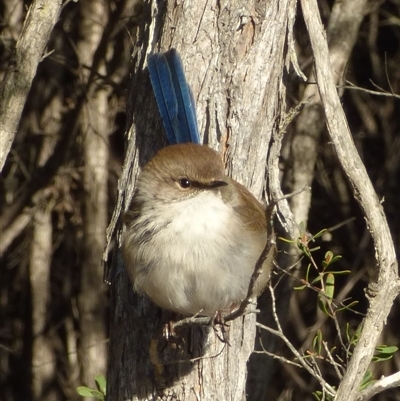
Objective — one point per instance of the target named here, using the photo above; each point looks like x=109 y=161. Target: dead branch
x=387 y=286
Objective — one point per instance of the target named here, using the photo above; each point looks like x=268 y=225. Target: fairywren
x=192 y=234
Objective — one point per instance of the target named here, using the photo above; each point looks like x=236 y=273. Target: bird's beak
x=215 y=184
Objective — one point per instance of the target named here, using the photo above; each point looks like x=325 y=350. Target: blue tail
x=174 y=97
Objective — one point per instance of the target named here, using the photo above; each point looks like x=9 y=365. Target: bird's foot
x=171 y=336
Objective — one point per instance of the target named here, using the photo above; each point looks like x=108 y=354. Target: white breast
x=202 y=259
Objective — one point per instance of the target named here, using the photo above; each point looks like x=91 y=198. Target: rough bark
x=39 y=23
x=233 y=55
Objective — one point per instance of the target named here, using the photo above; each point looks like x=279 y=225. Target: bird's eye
x=184 y=183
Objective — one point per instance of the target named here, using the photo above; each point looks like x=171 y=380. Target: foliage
x=99 y=393
x=320 y=277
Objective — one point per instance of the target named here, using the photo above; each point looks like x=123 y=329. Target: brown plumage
x=192 y=234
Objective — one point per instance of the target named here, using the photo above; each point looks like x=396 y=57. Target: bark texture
x=39 y=23
x=233 y=55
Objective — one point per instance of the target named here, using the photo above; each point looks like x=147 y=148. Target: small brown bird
x=193 y=235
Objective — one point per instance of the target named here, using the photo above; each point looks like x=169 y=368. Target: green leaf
x=367 y=380
x=384 y=352
x=381 y=358
x=305 y=250
x=319 y=394
x=317 y=235
x=89 y=392
x=308 y=272
x=325 y=297
x=348 y=332
x=322 y=304
x=339 y=272
x=96 y=394
x=330 y=286
x=316 y=280
x=317 y=342
x=299 y=288
x=327 y=260
x=289 y=241
x=84 y=391
x=317 y=248
x=353 y=338
x=101 y=383
x=336 y=258
x=386 y=349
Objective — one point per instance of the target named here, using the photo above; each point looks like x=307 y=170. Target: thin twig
x=332 y=361
x=279 y=333
x=371 y=92
x=278 y=357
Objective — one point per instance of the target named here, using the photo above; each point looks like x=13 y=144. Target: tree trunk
x=95 y=130
x=43 y=359
x=233 y=54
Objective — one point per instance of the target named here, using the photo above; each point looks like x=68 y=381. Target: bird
x=193 y=235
